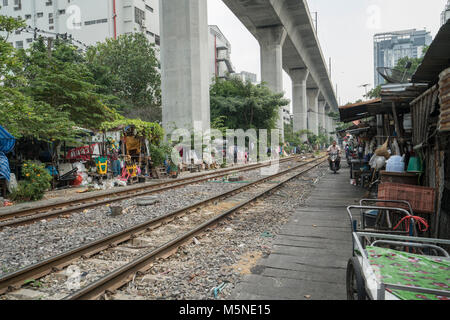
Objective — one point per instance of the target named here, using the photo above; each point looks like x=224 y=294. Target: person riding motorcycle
x=334 y=148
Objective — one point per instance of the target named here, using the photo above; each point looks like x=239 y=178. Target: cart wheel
x=356 y=289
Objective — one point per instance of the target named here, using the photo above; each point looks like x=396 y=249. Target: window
x=139 y=16
x=28 y=16
x=62 y=11
x=157 y=40
x=48 y=3
x=91 y=22
x=18 y=5
x=19 y=44
x=40 y=14
x=50 y=21
x=29 y=40
x=5 y=3
x=148 y=8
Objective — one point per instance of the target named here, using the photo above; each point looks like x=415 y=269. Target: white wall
x=78 y=17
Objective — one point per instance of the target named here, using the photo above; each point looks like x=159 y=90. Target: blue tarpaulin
x=7 y=142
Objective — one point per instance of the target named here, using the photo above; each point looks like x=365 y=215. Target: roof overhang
x=436 y=59
x=359 y=110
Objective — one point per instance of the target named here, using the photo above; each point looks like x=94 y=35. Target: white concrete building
x=247 y=76
x=87 y=21
x=220 y=54
x=445 y=15
x=287 y=114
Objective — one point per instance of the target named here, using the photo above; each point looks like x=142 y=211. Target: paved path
x=308 y=260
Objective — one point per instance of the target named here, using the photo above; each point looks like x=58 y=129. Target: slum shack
x=128 y=146
x=405 y=133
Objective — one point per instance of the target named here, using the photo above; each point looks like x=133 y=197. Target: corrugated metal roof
x=436 y=59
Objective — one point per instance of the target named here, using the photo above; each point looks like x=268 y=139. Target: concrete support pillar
x=271 y=41
x=333 y=129
x=184 y=56
x=313 y=110
x=322 y=123
x=329 y=126
x=299 y=99
x=325 y=119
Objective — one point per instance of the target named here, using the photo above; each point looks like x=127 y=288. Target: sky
x=345 y=30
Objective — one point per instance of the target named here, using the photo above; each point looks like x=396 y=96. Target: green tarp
x=402 y=268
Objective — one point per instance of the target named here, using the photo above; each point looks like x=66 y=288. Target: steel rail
x=123 y=275
x=129 y=193
x=16 y=279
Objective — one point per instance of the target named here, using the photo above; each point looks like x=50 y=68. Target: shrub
x=36 y=182
x=159 y=154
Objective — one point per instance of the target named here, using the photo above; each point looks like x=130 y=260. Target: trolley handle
x=412 y=244
x=353 y=222
x=389 y=201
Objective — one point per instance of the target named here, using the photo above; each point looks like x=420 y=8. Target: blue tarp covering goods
x=7 y=142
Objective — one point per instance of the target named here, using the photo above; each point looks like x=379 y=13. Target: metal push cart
x=369 y=280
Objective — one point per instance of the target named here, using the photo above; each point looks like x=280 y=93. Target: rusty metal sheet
x=444 y=100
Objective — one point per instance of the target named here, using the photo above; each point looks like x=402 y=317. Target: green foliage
x=150 y=130
x=62 y=80
x=243 y=105
x=374 y=93
x=219 y=124
x=160 y=153
x=8 y=25
x=36 y=182
x=20 y=114
x=294 y=138
x=127 y=68
x=24 y=117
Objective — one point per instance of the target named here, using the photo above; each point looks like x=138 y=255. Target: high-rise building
x=87 y=21
x=445 y=15
x=392 y=46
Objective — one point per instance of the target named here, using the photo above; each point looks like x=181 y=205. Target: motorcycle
x=334 y=162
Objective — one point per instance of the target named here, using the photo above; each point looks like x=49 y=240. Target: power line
x=62 y=36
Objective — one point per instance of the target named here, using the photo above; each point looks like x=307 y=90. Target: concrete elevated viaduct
x=288 y=41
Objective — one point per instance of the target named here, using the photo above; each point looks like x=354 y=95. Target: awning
x=7 y=141
x=359 y=110
x=436 y=59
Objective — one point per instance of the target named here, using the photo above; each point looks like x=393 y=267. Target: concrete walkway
x=309 y=256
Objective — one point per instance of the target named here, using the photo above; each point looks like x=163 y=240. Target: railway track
x=31 y=215
x=195 y=218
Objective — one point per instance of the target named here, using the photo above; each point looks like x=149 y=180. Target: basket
x=102 y=165
x=422 y=199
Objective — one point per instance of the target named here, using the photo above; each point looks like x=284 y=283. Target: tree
x=374 y=93
x=244 y=105
x=61 y=79
x=19 y=114
x=128 y=69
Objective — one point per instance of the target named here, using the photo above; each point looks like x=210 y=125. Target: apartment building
x=87 y=21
